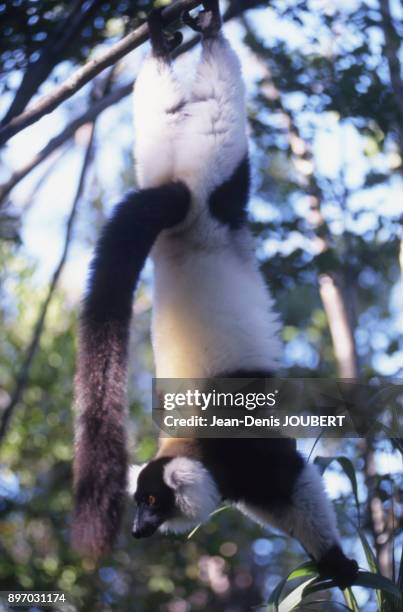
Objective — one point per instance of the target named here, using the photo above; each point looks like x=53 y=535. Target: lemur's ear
x=195 y=490
x=182 y=471
x=132 y=477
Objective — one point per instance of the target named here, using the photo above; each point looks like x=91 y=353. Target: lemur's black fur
x=240 y=476
x=228 y=202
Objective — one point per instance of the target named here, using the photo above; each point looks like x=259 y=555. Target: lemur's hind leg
x=162 y=44
x=158 y=105
x=216 y=113
x=310 y=519
x=208 y=22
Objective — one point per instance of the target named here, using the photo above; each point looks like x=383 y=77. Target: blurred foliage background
x=325 y=96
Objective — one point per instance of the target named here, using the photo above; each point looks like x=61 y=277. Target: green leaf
x=368 y=580
x=314 y=603
x=274 y=600
x=350 y=600
x=369 y=553
x=305 y=569
x=320 y=584
x=314 y=444
x=372 y=562
x=377 y=581
x=295 y=596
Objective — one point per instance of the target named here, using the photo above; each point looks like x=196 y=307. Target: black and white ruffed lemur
x=212 y=317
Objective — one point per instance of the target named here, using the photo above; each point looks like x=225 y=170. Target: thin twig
x=92 y=112
x=30 y=199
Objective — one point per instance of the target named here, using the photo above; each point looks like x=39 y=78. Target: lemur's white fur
x=196 y=495
x=212 y=310
x=132 y=478
x=218 y=319
x=309 y=518
x=201 y=144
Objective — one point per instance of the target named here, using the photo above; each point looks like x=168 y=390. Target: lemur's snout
x=146 y=522
x=145 y=532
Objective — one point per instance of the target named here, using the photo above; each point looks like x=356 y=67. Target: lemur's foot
x=208 y=21
x=162 y=43
x=334 y=564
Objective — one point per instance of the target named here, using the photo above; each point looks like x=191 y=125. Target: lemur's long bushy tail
x=100 y=463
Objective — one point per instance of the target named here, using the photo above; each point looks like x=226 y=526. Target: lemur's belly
x=212 y=314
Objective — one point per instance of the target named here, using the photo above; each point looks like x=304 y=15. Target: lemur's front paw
x=334 y=564
x=162 y=42
x=208 y=22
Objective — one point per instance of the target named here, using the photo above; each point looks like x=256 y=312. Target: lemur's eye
x=151 y=500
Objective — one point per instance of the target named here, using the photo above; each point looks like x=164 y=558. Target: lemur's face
x=154 y=498
x=171 y=493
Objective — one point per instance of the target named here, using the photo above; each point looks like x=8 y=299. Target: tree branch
x=37 y=72
x=234 y=10
x=339 y=325
x=86 y=73
x=68 y=132
x=23 y=376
